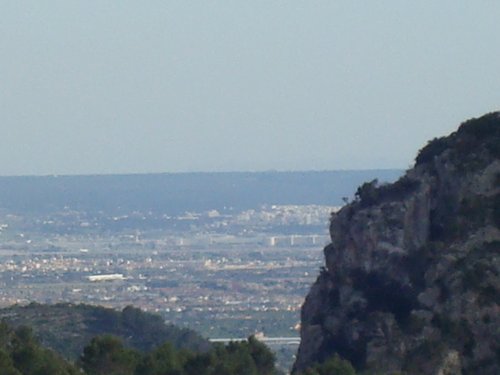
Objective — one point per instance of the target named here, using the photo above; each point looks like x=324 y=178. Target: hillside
x=411 y=278
x=22 y=354
x=67 y=328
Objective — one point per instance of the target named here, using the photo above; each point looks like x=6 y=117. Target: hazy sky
x=167 y=86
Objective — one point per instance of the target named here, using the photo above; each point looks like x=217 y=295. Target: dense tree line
x=68 y=328
x=106 y=355
x=21 y=354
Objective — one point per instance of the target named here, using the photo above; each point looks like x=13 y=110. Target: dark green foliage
x=384 y=294
x=475 y=211
x=146 y=331
x=484 y=127
x=67 y=328
x=417 y=261
x=264 y=359
x=333 y=366
x=456 y=219
x=20 y=354
x=236 y=358
x=420 y=360
x=371 y=193
x=7 y=364
x=367 y=193
x=465 y=143
x=249 y=357
x=164 y=360
x=455 y=333
x=106 y=355
x=433 y=148
x=479 y=274
x=413 y=325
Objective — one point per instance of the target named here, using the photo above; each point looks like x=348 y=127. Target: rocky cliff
x=411 y=277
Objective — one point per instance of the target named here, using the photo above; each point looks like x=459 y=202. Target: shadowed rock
x=411 y=278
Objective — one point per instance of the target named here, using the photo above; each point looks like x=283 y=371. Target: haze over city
x=249 y=187
x=125 y=87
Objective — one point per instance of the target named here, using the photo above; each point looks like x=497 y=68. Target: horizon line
x=56 y=175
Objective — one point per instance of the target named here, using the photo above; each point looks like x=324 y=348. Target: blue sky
x=168 y=86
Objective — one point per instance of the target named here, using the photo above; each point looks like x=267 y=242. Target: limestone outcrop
x=411 y=277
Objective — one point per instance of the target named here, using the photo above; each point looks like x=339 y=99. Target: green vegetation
x=21 y=354
x=482 y=128
x=333 y=366
x=456 y=217
x=433 y=148
x=106 y=355
x=423 y=356
x=367 y=193
x=466 y=141
x=479 y=273
x=371 y=193
x=67 y=328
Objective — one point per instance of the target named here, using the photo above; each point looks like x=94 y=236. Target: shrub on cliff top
x=472 y=134
x=432 y=149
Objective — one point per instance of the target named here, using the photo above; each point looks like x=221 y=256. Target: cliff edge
x=411 y=278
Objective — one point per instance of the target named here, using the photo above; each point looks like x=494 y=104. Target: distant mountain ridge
x=411 y=283
x=180 y=192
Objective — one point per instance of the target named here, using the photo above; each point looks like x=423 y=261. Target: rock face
x=411 y=277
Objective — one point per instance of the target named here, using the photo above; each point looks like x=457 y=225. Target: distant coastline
x=180 y=192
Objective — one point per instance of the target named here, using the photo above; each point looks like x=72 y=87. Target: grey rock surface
x=411 y=278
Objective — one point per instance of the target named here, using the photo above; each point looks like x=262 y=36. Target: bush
x=367 y=193
x=433 y=148
x=371 y=193
x=21 y=354
x=106 y=355
x=486 y=126
x=333 y=366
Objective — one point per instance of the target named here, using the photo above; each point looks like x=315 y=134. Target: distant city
x=225 y=271
x=200 y=270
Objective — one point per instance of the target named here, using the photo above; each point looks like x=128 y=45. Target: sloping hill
x=67 y=328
